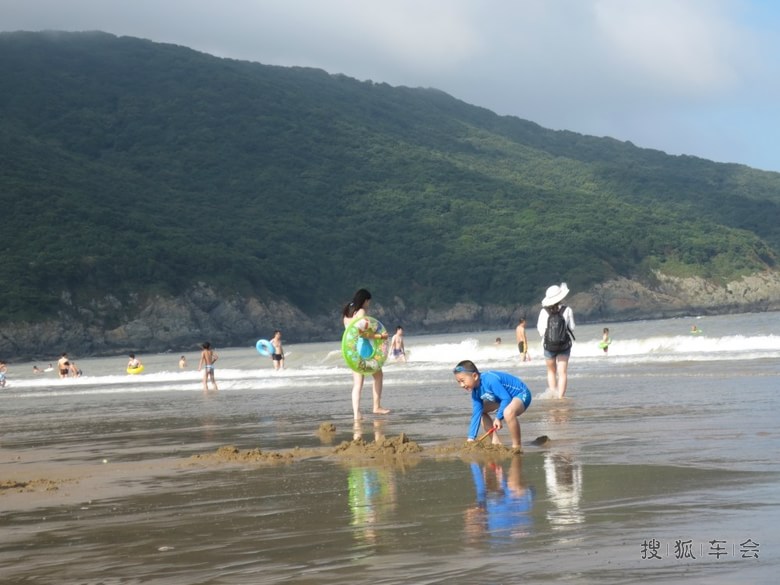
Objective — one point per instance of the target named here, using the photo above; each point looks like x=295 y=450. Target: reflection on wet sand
x=379 y=430
x=556 y=416
x=564 y=488
x=503 y=508
x=373 y=497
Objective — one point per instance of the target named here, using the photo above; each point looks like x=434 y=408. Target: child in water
x=498 y=392
x=397 y=348
x=208 y=358
x=605 y=340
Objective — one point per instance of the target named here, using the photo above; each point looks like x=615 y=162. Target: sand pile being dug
x=485 y=448
x=389 y=447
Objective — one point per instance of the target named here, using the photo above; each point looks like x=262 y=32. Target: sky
x=696 y=77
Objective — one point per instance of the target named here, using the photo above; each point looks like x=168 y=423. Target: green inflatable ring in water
x=363 y=353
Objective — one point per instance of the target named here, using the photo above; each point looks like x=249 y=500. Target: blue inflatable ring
x=264 y=347
x=363 y=352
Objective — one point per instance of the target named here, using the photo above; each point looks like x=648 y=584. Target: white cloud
x=680 y=75
x=684 y=47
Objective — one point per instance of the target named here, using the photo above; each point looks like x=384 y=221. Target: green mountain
x=130 y=169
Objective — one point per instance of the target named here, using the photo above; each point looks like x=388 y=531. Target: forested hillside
x=130 y=168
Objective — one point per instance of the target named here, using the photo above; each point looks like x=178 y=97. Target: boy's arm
x=476 y=416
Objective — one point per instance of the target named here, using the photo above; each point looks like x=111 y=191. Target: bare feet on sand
x=381 y=410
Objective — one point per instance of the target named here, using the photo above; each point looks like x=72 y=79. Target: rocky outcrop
x=108 y=326
x=669 y=296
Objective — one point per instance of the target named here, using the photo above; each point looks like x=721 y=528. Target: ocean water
x=663 y=466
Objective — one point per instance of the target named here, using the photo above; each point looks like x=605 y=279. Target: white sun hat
x=555 y=294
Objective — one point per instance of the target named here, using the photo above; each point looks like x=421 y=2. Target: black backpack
x=557 y=336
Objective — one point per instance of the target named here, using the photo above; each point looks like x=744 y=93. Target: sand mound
x=395 y=448
x=35 y=485
x=390 y=447
x=327 y=427
x=232 y=454
x=484 y=448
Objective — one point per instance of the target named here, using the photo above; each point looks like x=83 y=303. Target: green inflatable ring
x=363 y=353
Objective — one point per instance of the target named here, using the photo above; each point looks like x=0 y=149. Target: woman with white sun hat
x=557 y=339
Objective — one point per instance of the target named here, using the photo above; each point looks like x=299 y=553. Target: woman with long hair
x=356 y=308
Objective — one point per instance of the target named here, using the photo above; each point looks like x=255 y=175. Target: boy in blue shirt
x=498 y=392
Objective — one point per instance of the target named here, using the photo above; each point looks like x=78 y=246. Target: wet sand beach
x=662 y=472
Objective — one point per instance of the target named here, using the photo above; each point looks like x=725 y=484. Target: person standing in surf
x=278 y=355
x=556 y=326
x=397 y=349
x=522 y=340
x=207 y=359
x=356 y=308
x=64 y=367
x=605 y=340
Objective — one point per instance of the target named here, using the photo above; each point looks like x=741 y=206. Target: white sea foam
x=320 y=365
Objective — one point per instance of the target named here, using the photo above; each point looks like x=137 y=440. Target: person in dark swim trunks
x=278 y=355
x=522 y=340
x=397 y=345
x=64 y=366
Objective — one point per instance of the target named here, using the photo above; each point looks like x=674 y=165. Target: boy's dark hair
x=466 y=366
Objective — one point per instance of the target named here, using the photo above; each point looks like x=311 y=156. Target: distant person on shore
x=3 y=372
x=556 y=326
x=605 y=340
x=397 y=349
x=356 y=308
x=522 y=340
x=64 y=367
x=182 y=362
x=133 y=362
x=278 y=355
x=207 y=359
x=498 y=392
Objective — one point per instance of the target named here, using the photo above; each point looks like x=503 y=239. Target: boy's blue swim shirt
x=498 y=387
